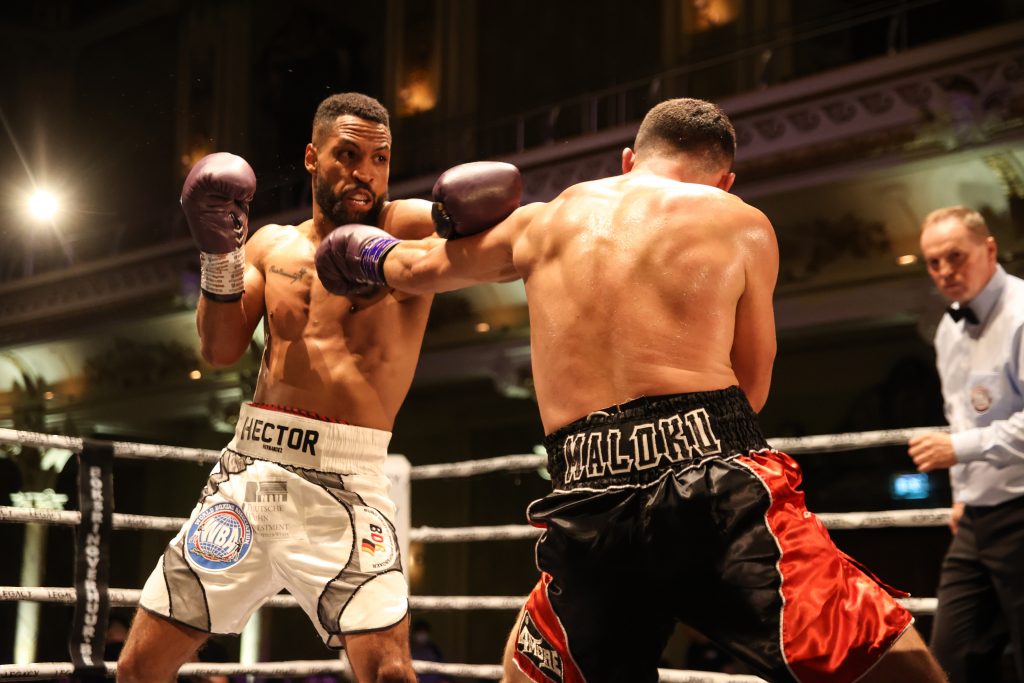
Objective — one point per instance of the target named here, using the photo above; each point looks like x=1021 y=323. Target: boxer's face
x=350 y=165
x=959 y=262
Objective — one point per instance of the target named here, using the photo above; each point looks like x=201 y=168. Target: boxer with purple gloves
x=299 y=499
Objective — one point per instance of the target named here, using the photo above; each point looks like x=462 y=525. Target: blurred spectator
x=425 y=649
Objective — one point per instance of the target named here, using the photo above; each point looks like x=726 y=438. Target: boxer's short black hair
x=354 y=103
x=696 y=127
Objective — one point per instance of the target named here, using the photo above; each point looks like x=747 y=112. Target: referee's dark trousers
x=981 y=595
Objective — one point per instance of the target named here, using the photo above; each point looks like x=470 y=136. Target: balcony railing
x=760 y=61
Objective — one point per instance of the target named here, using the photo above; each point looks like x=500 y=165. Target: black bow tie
x=958 y=313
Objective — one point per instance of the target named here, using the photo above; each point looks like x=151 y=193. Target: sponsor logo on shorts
x=266 y=503
x=276 y=438
x=378 y=547
x=219 y=538
x=531 y=644
x=266 y=492
x=981 y=398
x=604 y=452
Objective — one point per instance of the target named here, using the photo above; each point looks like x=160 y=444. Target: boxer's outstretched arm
x=225 y=329
x=437 y=265
x=753 y=347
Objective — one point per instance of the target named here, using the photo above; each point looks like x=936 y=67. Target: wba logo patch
x=219 y=538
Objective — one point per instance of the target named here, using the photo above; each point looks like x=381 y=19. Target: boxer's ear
x=310 y=160
x=628 y=160
x=726 y=181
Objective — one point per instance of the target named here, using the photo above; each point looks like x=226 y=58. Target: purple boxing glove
x=473 y=197
x=215 y=199
x=350 y=260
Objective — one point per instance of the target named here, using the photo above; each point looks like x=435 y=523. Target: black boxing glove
x=473 y=197
x=215 y=199
x=350 y=260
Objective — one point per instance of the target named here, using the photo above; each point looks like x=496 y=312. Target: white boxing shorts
x=294 y=503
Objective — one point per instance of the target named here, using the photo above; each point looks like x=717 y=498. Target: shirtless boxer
x=299 y=499
x=653 y=338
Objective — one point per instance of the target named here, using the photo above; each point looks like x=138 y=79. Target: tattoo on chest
x=302 y=275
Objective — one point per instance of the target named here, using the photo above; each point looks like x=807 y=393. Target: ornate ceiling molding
x=29 y=306
x=967 y=103
x=975 y=97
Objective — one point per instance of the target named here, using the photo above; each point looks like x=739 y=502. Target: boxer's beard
x=333 y=204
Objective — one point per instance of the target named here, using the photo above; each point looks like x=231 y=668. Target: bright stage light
x=43 y=205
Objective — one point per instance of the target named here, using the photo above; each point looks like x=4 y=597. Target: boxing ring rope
x=309 y=667
x=507 y=464
x=129 y=597
x=502 y=532
x=824 y=443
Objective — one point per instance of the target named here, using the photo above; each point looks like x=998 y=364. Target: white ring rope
x=886 y=518
x=470 y=468
x=308 y=667
x=499 y=532
x=122 y=449
x=74 y=518
x=466 y=602
x=850 y=441
x=129 y=597
x=824 y=443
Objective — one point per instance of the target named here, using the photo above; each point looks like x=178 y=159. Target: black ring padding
x=88 y=633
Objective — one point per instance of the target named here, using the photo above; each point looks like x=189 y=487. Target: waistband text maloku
x=603 y=451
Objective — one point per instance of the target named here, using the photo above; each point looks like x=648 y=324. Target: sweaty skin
x=637 y=285
x=345 y=359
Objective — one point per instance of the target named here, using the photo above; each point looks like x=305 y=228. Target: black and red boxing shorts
x=674 y=508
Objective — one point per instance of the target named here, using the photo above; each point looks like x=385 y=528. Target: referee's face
x=960 y=263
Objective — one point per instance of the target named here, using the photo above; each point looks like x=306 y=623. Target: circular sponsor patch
x=981 y=399
x=219 y=538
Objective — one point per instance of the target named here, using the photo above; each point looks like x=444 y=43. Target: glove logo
x=239 y=229
x=219 y=538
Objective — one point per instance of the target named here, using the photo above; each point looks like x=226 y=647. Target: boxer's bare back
x=664 y=286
